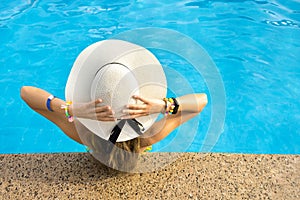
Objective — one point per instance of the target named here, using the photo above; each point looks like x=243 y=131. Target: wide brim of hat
x=144 y=65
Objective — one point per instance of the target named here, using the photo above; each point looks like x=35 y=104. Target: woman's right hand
x=92 y=110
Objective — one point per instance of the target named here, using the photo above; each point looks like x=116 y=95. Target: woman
x=113 y=72
x=189 y=106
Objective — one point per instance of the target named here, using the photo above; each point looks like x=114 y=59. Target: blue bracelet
x=50 y=98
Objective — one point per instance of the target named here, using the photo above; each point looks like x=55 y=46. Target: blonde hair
x=122 y=156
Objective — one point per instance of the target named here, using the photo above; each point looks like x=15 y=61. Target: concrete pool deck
x=191 y=176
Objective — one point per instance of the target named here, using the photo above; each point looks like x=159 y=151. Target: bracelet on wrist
x=49 y=99
x=66 y=108
x=171 y=106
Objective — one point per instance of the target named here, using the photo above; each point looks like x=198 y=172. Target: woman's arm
x=36 y=99
x=189 y=106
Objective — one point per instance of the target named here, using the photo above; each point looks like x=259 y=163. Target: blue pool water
x=255 y=45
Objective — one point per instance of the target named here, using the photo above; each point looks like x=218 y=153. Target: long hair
x=122 y=156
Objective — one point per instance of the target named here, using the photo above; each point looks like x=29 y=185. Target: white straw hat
x=114 y=70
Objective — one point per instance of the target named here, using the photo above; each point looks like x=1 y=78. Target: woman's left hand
x=149 y=106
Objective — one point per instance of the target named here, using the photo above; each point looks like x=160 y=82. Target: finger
x=106 y=119
x=104 y=115
x=134 y=112
x=136 y=106
x=133 y=116
x=140 y=98
x=103 y=109
x=97 y=101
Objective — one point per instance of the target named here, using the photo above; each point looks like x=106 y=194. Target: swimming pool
x=254 y=43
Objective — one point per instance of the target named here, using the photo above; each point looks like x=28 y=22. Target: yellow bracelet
x=66 y=108
x=169 y=104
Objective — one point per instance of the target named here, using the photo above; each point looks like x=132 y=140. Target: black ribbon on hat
x=116 y=131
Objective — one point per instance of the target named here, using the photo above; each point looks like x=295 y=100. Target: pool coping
x=191 y=176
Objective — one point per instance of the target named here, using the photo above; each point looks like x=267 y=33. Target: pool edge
x=191 y=176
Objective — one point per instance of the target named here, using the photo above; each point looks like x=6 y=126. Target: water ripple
x=7 y=12
x=67 y=10
x=207 y=3
x=247 y=18
x=284 y=22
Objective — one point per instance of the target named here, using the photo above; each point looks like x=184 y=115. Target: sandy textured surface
x=191 y=176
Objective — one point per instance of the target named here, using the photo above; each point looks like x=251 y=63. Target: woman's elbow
x=201 y=101
x=24 y=92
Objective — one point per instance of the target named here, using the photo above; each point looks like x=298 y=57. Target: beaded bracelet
x=172 y=104
x=66 y=108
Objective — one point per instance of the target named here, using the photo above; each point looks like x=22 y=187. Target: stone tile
x=190 y=176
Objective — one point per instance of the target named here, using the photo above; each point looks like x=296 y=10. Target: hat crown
x=115 y=84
